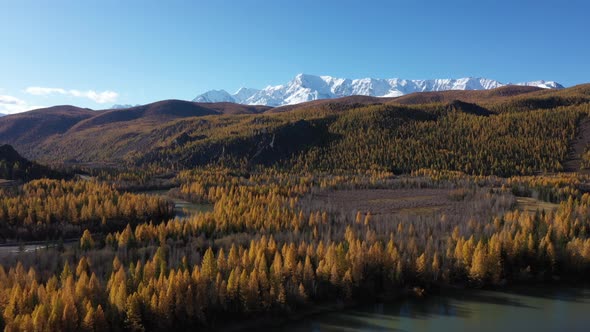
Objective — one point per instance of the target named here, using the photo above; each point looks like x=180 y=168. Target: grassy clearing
x=421 y=210
x=388 y=201
x=531 y=204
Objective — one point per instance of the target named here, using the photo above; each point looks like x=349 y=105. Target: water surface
x=182 y=208
x=532 y=309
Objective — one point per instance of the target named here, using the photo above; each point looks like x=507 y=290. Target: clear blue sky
x=145 y=51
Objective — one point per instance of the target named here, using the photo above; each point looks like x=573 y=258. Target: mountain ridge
x=304 y=88
x=145 y=133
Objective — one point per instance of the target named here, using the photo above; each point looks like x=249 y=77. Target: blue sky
x=98 y=53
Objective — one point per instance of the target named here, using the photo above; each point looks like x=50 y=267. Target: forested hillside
x=14 y=167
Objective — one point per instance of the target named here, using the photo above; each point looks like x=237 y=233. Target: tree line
x=51 y=209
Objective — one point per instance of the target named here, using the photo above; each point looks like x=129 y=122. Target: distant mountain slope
x=468 y=96
x=166 y=110
x=41 y=133
x=341 y=103
x=34 y=126
x=162 y=110
x=233 y=108
x=14 y=167
x=305 y=88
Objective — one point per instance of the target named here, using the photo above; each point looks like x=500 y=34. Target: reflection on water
x=185 y=209
x=539 y=309
x=182 y=208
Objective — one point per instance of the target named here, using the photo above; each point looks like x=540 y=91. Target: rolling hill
x=33 y=132
x=35 y=126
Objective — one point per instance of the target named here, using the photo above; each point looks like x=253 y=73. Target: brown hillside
x=37 y=125
x=162 y=111
x=232 y=108
x=471 y=96
x=166 y=110
x=342 y=103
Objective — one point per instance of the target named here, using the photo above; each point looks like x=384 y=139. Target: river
x=532 y=309
x=32 y=246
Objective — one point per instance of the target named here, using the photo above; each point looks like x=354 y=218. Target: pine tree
x=69 y=317
x=209 y=266
x=243 y=288
x=232 y=285
x=478 y=270
x=421 y=267
x=133 y=321
x=86 y=241
x=88 y=321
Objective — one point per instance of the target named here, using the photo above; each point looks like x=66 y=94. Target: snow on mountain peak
x=214 y=96
x=305 y=87
x=122 y=106
x=543 y=84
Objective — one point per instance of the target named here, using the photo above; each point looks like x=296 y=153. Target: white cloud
x=12 y=105
x=98 y=97
x=10 y=100
x=13 y=109
x=39 y=91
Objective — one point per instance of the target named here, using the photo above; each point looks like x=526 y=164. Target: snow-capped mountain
x=122 y=106
x=543 y=84
x=310 y=87
x=215 y=96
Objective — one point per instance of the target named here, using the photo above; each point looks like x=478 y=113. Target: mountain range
x=189 y=133
x=305 y=88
